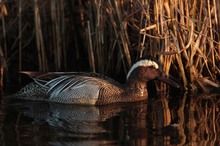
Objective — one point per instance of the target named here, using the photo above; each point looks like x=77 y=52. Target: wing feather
x=73 y=87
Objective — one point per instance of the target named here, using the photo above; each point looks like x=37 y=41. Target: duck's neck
x=136 y=86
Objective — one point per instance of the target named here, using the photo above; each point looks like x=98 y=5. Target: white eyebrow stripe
x=143 y=63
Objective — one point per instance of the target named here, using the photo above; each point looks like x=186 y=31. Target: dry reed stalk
x=211 y=44
x=56 y=34
x=3 y=52
x=99 y=36
x=183 y=34
x=4 y=13
x=1 y=71
x=62 y=33
x=90 y=49
x=117 y=23
x=190 y=35
x=20 y=34
x=123 y=31
x=94 y=36
x=39 y=40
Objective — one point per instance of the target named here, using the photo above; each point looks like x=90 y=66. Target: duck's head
x=149 y=68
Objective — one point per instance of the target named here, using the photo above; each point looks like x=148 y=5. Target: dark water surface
x=165 y=120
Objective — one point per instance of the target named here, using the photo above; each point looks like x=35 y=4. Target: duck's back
x=72 y=89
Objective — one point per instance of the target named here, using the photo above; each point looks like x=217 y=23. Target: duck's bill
x=169 y=81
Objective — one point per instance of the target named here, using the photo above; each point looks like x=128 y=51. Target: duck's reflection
x=130 y=124
x=145 y=126
x=73 y=118
x=161 y=121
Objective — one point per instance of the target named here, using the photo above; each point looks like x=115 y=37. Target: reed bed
x=107 y=36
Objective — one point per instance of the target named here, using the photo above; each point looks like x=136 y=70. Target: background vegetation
x=108 y=36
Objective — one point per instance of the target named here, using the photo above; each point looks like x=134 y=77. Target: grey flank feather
x=38 y=81
x=61 y=87
x=55 y=82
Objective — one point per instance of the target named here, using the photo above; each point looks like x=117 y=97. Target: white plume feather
x=143 y=63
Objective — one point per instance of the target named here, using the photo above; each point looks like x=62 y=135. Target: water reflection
x=60 y=124
x=160 y=113
x=187 y=120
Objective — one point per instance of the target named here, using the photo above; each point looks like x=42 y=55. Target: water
x=165 y=120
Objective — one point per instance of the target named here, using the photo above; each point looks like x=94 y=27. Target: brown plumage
x=93 y=88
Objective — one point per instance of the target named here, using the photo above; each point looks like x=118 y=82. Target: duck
x=94 y=88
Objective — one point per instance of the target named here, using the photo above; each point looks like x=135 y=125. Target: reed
x=107 y=36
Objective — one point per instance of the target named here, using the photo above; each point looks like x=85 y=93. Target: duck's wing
x=70 y=87
x=48 y=76
x=64 y=89
x=68 y=83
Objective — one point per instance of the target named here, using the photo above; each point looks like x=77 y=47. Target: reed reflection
x=191 y=120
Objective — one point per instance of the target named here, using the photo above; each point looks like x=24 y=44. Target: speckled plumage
x=92 y=88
